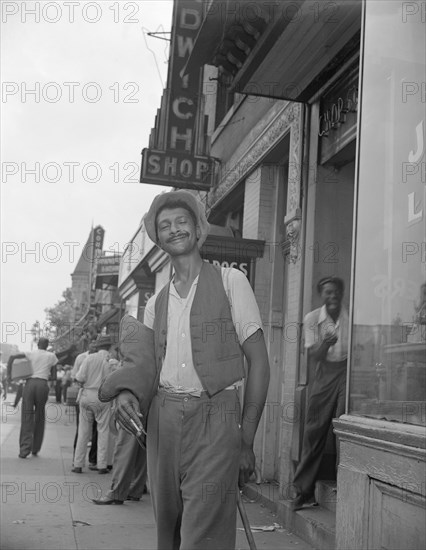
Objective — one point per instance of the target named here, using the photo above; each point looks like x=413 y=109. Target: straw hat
x=182 y=196
x=103 y=341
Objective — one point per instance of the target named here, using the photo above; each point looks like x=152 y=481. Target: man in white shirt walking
x=34 y=398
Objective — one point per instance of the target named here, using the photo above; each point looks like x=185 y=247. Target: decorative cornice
x=288 y=118
x=292 y=228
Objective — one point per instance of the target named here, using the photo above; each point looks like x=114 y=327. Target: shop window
x=388 y=359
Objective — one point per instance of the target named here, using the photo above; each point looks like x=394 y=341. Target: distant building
x=96 y=301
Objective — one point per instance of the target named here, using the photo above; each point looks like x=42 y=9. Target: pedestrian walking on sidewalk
x=3 y=379
x=66 y=382
x=205 y=321
x=92 y=372
x=326 y=339
x=34 y=397
x=58 y=384
x=19 y=392
x=94 y=440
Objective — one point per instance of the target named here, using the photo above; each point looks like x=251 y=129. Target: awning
x=107 y=271
x=226 y=251
x=67 y=356
x=108 y=317
x=302 y=39
x=305 y=54
x=228 y=21
x=106 y=281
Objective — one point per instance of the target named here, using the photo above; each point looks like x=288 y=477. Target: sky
x=81 y=84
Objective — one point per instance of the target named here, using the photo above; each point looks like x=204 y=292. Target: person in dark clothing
x=19 y=392
x=129 y=471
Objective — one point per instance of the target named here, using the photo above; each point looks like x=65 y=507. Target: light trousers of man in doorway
x=33 y=416
x=326 y=401
x=129 y=468
x=193 y=447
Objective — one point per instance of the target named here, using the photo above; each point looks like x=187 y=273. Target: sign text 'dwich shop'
x=172 y=159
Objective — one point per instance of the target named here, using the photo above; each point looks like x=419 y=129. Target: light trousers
x=92 y=409
x=193 y=447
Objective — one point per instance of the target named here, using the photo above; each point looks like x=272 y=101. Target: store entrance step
x=315 y=525
x=326 y=494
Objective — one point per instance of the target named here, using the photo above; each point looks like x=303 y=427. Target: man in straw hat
x=205 y=321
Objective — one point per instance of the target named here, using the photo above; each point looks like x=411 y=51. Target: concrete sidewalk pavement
x=45 y=506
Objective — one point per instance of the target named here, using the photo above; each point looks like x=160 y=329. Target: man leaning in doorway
x=34 y=397
x=326 y=339
x=205 y=321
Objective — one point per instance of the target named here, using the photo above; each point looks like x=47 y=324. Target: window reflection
x=388 y=359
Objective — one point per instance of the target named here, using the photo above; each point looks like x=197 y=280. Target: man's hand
x=330 y=339
x=247 y=464
x=127 y=413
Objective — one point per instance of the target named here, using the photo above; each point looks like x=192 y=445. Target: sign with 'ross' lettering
x=176 y=154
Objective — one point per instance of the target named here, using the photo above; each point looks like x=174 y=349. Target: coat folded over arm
x=139 y=372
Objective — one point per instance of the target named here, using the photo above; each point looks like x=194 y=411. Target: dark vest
x=216 y=352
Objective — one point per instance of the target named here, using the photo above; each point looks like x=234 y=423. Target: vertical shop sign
x=95 y=253
x=174 y=160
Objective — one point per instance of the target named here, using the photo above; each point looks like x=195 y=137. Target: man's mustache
x=178 y=236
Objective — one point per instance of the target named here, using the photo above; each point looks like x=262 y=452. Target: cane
x=245 y=521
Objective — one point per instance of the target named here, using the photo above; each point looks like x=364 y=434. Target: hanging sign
x=338 y=116
x=175 y=156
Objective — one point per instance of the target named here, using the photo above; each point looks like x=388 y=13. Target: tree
x=36 y=331
x=61 y=315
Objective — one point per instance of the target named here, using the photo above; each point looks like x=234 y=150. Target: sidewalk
x=44 y=506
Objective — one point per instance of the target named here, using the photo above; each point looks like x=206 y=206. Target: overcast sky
x=81 y=83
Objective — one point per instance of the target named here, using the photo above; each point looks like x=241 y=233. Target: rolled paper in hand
x=138 y=429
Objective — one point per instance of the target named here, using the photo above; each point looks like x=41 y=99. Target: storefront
x=352 y=175
x=287 y=169
x=381 y=478
x=320 y=171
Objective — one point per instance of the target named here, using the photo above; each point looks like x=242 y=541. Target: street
x=45 y=506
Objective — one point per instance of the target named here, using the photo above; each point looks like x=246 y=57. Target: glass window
x=388 y=360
